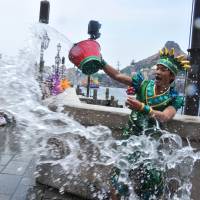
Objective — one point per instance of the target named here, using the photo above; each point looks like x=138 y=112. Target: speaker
x=44 y=12
x=93 y=29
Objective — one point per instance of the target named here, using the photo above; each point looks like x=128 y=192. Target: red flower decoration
x=130 y=90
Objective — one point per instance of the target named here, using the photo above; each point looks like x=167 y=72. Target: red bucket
x=86 y=56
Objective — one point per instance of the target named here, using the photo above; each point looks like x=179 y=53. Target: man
x=155 y=100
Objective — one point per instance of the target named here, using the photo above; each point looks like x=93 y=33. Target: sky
x=131 y=29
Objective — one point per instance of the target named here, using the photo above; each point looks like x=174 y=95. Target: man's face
x=163 y=76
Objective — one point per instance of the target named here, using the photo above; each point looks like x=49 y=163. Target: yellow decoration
x=186 y=67
x=161 y=52
x=167 y=57
x=185 y=62
x=171 y=52
x=179 y=58
x=166 y=51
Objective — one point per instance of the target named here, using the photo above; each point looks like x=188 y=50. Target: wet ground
x=17 y=172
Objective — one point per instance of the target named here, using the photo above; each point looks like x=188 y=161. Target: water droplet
x=61 y=190
x=197 y=23
x=191 y=89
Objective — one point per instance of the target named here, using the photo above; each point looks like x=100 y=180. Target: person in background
x=156 y=100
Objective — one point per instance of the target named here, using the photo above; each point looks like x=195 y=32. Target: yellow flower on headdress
x=185 y=64
x=180 y=58
x=161 y=52
x=171 y=52
x=166 y=51
x=186 y=67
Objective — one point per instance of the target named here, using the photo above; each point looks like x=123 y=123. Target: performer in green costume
x=155 y=100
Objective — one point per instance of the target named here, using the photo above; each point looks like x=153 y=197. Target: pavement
x=17 y=180
x=17 y=167
x=17 y=172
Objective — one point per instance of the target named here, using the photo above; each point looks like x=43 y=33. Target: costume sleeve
x=137 y=80
x=177 y=102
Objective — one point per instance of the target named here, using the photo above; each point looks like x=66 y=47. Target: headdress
x=174 y=64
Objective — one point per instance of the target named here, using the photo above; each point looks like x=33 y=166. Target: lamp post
x=44 y=18
x=44 y=45
x=88 y=86
x=57 y=59
x=192 y=101
x=62 y=67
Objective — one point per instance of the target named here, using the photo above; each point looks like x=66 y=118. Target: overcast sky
x=131 y=29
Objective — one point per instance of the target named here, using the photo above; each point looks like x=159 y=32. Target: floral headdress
x=174 y=64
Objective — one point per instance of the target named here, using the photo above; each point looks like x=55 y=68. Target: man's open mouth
x=158 y=78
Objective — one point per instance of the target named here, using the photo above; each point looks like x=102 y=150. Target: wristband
x=103 y=63
x=147 y=109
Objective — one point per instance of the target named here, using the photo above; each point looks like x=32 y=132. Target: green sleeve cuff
x=103 y=63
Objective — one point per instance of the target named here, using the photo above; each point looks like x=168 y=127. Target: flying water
x=87 y=147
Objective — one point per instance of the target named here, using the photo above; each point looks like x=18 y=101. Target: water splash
x=197 y=23
x=35 y=123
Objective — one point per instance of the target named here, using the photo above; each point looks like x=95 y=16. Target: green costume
x=148 y=172
x=145 y=92
x=148 y=177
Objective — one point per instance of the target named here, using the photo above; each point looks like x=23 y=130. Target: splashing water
x=35 y=123
x=197 y=23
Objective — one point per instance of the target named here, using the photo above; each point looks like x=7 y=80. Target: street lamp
x=192 y=101
x=44 y=45
x=46 y=41
x=58 y=47
x=57 y=58
x=44 y=18
x=62 y=67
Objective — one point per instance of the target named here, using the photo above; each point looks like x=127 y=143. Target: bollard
x=107 y=93
x=78 y=90
x=112 y=101
x=95 y=95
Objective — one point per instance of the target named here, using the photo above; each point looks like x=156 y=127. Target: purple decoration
x=55 y=84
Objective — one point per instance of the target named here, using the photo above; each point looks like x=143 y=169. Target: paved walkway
x=17 y=173
x=17 y=180
x=17 y=168
x=16 y=176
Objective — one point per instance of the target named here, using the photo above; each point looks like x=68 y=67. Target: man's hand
x=133 y=103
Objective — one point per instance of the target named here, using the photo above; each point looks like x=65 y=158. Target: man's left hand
x=133 y=103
